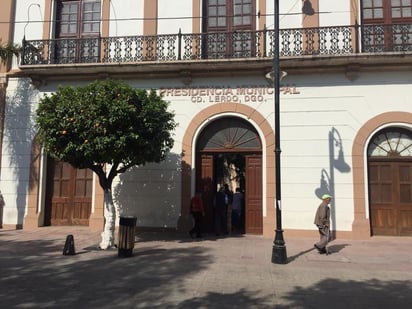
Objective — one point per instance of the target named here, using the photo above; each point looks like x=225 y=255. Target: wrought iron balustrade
x=386 y=38
x=342 y=40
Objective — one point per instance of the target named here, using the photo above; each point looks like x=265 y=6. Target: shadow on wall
x=19 y=133
x=327 y=178
x=151 y=193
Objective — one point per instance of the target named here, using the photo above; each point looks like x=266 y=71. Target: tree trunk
x=110 y=218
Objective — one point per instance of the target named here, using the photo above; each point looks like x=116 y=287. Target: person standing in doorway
x=228 y=202
x=322 y=221
x=220 y=212
x=198 y=212
x=237 y=205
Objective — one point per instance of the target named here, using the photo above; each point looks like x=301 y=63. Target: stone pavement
x=173 y=271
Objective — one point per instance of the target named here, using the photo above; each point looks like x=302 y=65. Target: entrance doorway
x=68 y=194
x=390 y=182
x=229 y=152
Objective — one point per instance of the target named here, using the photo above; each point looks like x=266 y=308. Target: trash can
x=127 y=228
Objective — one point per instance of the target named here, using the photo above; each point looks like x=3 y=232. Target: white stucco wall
x=19 y=131
x=326 y=103
x=330 y=103
x=174 y=17
x=29 y=20
x=126 y=17
x=334 y=13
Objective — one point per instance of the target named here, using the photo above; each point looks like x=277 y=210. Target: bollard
x=69 y=246
x=127 y=230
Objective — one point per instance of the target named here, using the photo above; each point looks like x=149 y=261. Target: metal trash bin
x=127 y=231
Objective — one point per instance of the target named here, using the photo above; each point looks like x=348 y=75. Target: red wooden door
x=205 y=184
x=390 y=184
x=68 y=194
x=253 y=195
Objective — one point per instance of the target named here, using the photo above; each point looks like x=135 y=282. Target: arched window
x=391 y=143
x=229 y=134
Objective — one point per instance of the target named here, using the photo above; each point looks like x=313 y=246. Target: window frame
x=386 y=33
x=77 y=46
x=230 y=40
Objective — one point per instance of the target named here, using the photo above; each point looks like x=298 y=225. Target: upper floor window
x=386 y=25
x=78 y=18
x=386 y=11
x=229 y=15
x=78 y=25
x=228 y=24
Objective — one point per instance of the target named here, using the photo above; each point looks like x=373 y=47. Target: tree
x=7 y=51
x=108 y=127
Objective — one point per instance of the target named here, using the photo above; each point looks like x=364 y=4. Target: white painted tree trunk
x=110 y=217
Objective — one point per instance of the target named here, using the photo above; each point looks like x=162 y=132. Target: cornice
x=350 y=65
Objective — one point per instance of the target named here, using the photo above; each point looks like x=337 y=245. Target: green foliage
x=105 y=122
x=7 y=51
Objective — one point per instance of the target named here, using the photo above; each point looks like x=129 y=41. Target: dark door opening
x=218 y=169
x=229 y=152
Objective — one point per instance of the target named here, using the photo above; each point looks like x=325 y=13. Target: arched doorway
x=390 y=182
x=229 y=151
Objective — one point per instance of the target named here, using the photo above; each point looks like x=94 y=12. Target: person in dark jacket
x=322 y=221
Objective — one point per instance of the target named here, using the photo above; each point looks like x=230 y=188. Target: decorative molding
x=186 y=77
x=352 y=72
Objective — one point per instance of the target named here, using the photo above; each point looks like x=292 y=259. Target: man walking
x=322 y=221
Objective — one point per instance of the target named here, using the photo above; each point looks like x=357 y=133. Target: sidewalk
x=173 y=271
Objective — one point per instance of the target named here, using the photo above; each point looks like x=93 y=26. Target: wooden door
x=405 y=198
x=253 y=195
x=205 y=184
x=390 y=185
x=68 y=194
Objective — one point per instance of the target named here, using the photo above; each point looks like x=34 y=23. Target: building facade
x=345 y=109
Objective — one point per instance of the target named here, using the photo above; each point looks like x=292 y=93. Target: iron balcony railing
x=342 y=40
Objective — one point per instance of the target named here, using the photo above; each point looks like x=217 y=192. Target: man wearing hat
x=322 y=221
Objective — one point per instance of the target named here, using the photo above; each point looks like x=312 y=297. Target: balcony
x=245 y=46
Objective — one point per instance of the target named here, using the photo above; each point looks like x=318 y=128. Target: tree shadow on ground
x=350 y=294
x=154 y=277
x=240 y=299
